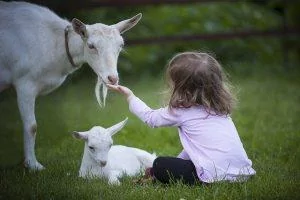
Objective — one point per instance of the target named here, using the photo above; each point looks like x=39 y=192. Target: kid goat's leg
x=26 y=103
x=113 y=177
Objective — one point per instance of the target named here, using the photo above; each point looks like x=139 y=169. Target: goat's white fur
x=34 y=61
x=100 y=159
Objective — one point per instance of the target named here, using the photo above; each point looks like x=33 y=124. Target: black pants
x=171 y=169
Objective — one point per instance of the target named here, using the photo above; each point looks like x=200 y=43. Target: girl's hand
x=121 y=89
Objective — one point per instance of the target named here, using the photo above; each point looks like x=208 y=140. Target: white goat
x=101 y=159
x=39 y=50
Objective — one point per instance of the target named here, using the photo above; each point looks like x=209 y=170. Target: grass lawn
x=267 y=118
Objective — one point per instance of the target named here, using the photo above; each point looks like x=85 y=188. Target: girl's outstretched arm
x=154 y=118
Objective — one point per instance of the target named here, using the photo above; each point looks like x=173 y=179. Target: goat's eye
x=91 y=46
x=92 y=148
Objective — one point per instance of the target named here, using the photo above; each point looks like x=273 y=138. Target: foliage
x=193 y=19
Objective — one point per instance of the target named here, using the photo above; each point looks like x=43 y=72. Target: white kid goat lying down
x=102 y=159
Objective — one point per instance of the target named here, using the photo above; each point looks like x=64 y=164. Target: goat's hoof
x=34 y=166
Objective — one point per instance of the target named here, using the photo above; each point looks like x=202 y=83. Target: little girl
x=199 y=106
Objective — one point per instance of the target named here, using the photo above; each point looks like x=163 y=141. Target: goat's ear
x=80 y=28
x=80 y=135
x=127 y=24
x=117 y=127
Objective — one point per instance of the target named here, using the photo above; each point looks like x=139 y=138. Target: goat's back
x=128 y=159
x=28 y=33
x=26 y=15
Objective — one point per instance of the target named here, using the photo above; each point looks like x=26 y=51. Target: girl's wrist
x=129 y=97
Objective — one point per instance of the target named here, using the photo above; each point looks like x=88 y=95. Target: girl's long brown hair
x=198 y=79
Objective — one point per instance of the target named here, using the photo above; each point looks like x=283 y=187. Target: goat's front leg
x=113 y=177
x=26 y=102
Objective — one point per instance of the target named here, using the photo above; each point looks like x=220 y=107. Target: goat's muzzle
x=113 y=79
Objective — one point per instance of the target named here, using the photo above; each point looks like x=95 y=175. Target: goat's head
x=98 y=141
x=102 y=45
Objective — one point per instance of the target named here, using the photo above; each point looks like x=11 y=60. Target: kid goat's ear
x=80 y=135
x=80 y=28
x=117 y=127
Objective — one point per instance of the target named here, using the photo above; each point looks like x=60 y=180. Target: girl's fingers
x=113 y=87
x=116 y=88
x=122 y=90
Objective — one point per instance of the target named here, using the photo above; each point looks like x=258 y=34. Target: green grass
x=267 y=118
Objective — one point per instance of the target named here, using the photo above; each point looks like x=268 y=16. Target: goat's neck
x=76 y=48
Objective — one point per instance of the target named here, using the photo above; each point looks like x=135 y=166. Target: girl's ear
x=117 y=127
x=80 y=135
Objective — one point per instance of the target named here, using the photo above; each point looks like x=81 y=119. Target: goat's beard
x=101 y=99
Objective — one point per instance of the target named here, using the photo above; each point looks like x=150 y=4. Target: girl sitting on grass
x=200 y=105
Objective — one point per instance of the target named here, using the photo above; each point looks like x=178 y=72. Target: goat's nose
x=102 y=163
x=113 y=79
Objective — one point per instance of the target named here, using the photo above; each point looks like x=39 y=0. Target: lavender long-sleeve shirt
x=211 y=142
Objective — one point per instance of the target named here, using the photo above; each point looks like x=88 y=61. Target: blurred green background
x=205 y=18
x=197 y=18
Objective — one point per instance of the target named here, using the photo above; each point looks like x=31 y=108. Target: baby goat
x=101 y=159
